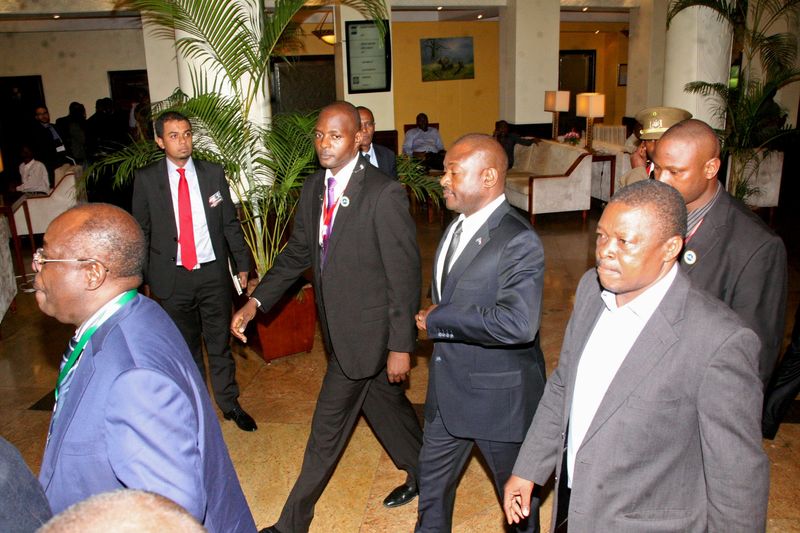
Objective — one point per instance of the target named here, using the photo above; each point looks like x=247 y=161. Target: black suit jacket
x=152 y=208
x=369 y=289
x=487 y=373
x=738 y=259
x=387 y=160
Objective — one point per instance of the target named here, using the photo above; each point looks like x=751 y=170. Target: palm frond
x=728 y=10
x=122 y=163
x=413 y=175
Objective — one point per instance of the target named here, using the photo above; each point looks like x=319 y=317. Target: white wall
x=73 y=65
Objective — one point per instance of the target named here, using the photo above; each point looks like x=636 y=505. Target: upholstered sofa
x=601 y=170
x=550 y=177
x=43 y=209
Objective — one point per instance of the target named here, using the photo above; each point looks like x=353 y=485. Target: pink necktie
x=327 y=219
x=186 y=230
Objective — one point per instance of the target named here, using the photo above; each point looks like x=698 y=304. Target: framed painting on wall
x=450 y=58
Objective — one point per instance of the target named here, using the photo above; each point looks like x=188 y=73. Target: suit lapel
x=318 y=195
x=165 y=193
x=474 y=246
x=435 y=281
x=654 y=341
x=345 y=213
x=77 y=388
x=708 y=235
x=204 y=182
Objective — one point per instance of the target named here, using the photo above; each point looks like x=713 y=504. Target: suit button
x=438 y=359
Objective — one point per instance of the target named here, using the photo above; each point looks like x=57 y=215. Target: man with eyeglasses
x=131 y=408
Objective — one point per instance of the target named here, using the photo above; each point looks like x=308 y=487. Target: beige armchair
x=43 y=209
x=550 y=177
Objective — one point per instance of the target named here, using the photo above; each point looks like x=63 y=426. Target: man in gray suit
x=652 y=418
x=729 y=251
x=487 y=372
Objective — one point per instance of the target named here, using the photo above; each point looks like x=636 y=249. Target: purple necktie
x=327 y=218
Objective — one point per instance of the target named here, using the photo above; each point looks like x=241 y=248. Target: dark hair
x=666 y=202
x=167 y=116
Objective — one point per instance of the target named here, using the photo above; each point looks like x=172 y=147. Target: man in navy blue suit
x=131 y=408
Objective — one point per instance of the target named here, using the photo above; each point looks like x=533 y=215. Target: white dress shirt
x=418 y=140
x=373 y=159
x=469 y=227
x=608 y=345
x=342 y=179
x=202 y=239
x=34 y=177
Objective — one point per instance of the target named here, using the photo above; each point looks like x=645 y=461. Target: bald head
x=699 y=132
x=123 y=511
x=475 y=171
x=109 y=234
x=489 y=151
x=687 y=158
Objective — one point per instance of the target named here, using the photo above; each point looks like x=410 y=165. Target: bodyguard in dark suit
x=378 y=155
x=650 y=420
x=487 y=372
x=190 y=225
x=729 y=251
x=352 y=227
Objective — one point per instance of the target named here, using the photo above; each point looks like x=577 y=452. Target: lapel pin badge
x=345 y=201
x=690 y=257
x=479 y=240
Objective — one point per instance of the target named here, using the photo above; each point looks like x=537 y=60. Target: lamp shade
x=590 y=105
x=556 y=101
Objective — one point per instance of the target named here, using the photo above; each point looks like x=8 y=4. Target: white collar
x=646 y=303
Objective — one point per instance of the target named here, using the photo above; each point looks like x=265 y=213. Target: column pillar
x=162 y=66
x=698 y=48
x=382 y=103
x=648 y=26
x=529 y=44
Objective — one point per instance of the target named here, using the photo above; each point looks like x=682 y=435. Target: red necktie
x=186 y=230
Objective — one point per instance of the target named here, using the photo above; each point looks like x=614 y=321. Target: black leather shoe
x=400 y=496
x=242 y=419
x=270 y=529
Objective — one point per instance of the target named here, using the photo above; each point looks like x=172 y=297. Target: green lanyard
x=76 y=352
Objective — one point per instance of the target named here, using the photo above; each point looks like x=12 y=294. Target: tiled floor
x=281 y=398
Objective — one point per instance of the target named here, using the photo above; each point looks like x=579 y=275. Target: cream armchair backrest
x=44 y=209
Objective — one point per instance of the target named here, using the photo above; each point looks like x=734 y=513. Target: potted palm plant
x=265 y=158
x=755 y=132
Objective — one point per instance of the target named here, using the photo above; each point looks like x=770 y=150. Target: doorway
x=576 y=74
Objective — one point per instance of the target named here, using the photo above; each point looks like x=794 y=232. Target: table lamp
x=556 y=101
x=591 y=106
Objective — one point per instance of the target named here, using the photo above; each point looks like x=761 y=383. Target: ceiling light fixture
x=480 y=16
x=585 y=9
x=439 y=8
x=56 y=17
x=596 y=32
x=327 y=36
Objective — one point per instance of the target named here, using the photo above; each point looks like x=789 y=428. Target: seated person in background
x=509 y=139
x=425 y=143
x=655 y=121
x=124 y=510
x=379 y=156
x=33 y=174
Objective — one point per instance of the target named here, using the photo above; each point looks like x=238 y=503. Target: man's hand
x=242 y=280
x=517 y=499
x=241 y=318
x=422 y=316
x=398 y=365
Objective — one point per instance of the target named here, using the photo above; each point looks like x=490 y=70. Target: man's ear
x=711 y=168
x=489 y=177
x=95 y=275
x=160 y=142
x=672 y=248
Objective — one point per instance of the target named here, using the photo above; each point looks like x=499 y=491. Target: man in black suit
x=729 y=251
x=46 y=143
x=378 y=155
x=190 y=225
x=487 y=372
x=353 y=229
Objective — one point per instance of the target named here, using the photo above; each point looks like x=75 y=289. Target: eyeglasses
x=39 y=261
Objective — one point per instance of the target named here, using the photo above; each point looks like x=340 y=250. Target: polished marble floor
x=281 y=398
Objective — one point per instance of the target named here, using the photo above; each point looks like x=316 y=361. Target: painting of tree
x=450 y=58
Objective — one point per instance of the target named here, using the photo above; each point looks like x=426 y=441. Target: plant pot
x=288 y=328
